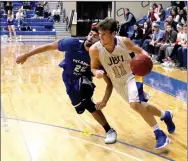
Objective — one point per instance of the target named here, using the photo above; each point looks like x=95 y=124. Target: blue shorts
x=10 y=23
x=77 y=90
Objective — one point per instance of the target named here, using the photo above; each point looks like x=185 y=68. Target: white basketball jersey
x=117 y=63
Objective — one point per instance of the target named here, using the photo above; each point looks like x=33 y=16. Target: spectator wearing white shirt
x=56 y=14
x=174 y=12
x=19 y=17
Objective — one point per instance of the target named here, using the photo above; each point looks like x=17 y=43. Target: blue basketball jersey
x=77 y=60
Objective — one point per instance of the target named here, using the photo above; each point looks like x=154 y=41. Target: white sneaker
x=111 y=136
x=155 y=62
x=165 y=64
x=172 y=64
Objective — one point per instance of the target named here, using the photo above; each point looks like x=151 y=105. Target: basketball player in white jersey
x=112 y=53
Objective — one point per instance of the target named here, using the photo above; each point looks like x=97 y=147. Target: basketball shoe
x=111 y=136
x=161 y=138
x=168 y=121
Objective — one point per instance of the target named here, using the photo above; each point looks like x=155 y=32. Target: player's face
x=106 y=37
x=92 y=38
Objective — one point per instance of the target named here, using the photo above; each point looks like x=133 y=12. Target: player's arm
x=108 y=92
x=133 y=47
x=51 y=46
x=95 y=62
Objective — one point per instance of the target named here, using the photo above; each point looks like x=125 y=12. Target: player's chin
x=88 y=44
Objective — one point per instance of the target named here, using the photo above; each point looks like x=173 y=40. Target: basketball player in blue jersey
x=77 y=77
x=112 y=53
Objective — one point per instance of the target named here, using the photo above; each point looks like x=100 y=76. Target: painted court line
x=75 y=130
x=105 y=147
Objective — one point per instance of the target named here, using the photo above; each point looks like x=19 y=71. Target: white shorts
x=133 y=91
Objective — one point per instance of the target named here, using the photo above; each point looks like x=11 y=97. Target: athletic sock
x=106 y=127
x=162 y=114
x=156 y=127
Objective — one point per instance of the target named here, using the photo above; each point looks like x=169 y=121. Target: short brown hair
x=107 y=24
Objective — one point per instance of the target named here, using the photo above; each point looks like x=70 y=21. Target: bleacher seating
x=143 y=19
x=40 y=26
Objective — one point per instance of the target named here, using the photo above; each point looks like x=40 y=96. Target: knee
x=86 y=104
x=80 y=108
x=136 y=106
x=89 y=105
x=141 y=108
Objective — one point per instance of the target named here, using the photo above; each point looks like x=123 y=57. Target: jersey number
x=119 y=71
x=79 y=68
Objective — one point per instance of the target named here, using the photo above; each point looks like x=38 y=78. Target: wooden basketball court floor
x=38 y=122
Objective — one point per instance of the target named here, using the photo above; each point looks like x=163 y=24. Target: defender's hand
x=21 y=59
x=100 y=105
x=99 y=73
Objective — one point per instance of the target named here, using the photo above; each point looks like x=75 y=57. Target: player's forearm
x=108 y=93
x=42 y=49
x=38 y=50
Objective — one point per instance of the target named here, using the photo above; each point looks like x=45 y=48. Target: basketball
x=141 y=65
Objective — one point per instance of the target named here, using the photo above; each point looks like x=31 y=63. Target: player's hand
x=145 y=53
x=100 y=105
x=21 y=59
x=99 y=73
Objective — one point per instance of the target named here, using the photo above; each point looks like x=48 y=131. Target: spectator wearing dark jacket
x=137 y=35
x=169 y=39
x=161 y=12
x=129 y=21
x=147 y=32
x=172 y=22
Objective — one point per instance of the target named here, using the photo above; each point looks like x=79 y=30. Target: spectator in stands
x=137 y=34
x=183 y=16
x=129 y=21
x=152 y=16
x=172 y=22
x=147 y=33
x=26 y=5
x=10 y=23
x=157 y=37
x=39 y=10
x=182 y=50
x=155 y=8
x=47 y=12
x=56 y=14
x=166 y=22
x=180 y=4
x=8 y=6
x=171 y=51
x=175 y=14
x=161 y=12
x=60 y=5
x=1 y=5
x=19 y=17
x=169 y=38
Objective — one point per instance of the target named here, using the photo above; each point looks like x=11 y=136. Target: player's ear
x=114 y=33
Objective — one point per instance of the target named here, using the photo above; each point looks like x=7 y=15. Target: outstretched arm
x=51 y=46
